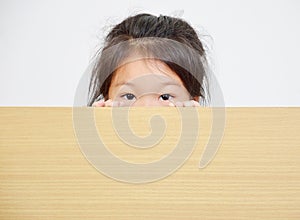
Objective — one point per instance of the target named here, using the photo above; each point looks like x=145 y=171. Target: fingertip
x=179 y=104
x=121 y=104
x=187 y=104
x=171 y=104
x=115 y=104
x=98 y=103
x=195 y=103
x=108 y=103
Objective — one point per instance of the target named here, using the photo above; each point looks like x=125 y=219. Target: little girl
x=150 y=61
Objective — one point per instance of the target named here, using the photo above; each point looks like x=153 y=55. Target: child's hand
x=110 y=103
x=190 y=103
x=107 y=103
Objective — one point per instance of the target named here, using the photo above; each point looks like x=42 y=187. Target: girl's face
x=147 y=82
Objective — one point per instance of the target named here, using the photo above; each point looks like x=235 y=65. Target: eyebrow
x=124 y=84
x=171 y=82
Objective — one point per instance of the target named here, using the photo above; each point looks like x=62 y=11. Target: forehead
x=133 y=69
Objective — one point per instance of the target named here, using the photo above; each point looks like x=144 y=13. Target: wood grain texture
x=254 y=175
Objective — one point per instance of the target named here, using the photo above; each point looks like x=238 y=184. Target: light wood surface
x=254 y=175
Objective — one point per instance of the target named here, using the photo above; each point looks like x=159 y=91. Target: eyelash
x=166 y=94
x=161 y=96
x=125 y=95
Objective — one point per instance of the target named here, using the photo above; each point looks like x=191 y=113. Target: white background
x=45 y=46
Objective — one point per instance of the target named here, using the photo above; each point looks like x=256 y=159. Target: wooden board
x=254 y=175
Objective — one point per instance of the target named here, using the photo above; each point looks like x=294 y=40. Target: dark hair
x=169 y=39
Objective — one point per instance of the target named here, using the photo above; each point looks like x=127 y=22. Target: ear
x=196 y=98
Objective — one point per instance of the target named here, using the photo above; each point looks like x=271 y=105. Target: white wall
x=45 y=46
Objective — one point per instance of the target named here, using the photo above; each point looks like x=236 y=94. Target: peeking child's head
x=150 y=61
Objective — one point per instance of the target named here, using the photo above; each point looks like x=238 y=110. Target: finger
x=171 y=104
x=108 y=103
x=98 y=104
x=188 y=104
x=121 y=104
x=195 y=103
x=115 y=104
x=179 y=104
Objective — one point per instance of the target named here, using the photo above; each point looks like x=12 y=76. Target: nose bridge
x=146 y=100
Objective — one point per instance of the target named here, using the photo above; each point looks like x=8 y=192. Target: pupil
x=165 y=97
x=130 y=96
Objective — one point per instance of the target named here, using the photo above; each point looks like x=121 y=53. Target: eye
x=165 y=97
x=129 y=96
